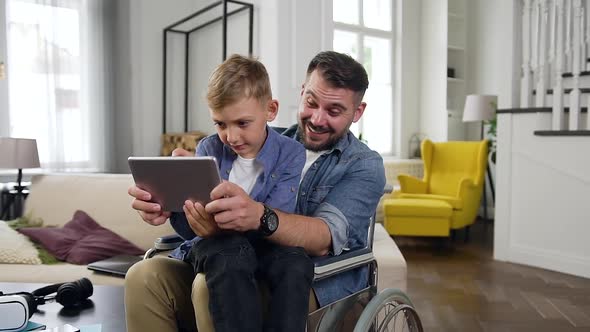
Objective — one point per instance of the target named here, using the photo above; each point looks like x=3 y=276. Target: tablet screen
x=173 y=180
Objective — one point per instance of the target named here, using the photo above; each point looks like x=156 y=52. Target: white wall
x=3 y=82
x=490 y=68
x=147 y=19
x=433 y=81
x=407 y=84
x=301 y=34
x=543 y=190
x=123 y=125
x=286 y=36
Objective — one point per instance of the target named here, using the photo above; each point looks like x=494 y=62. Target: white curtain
x=60 y=79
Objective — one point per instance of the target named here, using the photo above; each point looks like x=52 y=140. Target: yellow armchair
x=447 y=197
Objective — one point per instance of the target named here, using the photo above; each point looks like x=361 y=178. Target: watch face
x=272 y=222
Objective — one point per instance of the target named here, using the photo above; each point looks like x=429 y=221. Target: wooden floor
x=463 y=289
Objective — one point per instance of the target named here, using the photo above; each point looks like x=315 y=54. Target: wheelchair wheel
x=390 y=310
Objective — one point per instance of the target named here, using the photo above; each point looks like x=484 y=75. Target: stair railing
x=555 y=40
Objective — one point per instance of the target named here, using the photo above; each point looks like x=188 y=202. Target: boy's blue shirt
x=282 y=159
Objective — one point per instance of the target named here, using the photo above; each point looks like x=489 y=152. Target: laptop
x=117 y=265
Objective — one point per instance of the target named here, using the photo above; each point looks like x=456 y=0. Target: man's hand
x=179 y=152
x=150 y=212
x=201 y=222
x=233 y=209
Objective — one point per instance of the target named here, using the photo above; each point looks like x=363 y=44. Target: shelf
x=455 y=80
x=456 y=48
x=454 y=113
x=456 y=16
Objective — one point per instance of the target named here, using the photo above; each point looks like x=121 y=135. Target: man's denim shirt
x=342 y=187
x=282 y=159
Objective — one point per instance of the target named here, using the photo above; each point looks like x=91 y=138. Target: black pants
x=232 y=263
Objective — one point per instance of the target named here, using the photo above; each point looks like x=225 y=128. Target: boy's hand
x=201 y=222
x=233 y=209
x=150 y=212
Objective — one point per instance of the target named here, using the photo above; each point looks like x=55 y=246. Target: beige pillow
x=16 y=248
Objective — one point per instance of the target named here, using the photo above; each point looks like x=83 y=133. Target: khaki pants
x=157 y=297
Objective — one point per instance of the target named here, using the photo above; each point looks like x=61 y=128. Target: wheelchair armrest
x=168 y=242
x=328 y=266
x=163 y=243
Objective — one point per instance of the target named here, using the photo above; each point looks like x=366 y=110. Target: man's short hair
x=236 y=78
x=341 y=71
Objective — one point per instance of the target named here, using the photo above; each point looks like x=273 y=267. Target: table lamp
x=18 y=153
x=482 y=108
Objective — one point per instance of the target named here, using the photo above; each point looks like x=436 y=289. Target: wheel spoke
x=381 y=314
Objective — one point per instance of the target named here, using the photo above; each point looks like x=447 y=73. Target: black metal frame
x=173 y=29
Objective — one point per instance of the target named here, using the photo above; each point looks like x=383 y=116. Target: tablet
x=173 y=180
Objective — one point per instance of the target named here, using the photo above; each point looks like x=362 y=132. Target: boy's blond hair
x=236 y=78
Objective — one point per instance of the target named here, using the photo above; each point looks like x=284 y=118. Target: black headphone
x=68 y=294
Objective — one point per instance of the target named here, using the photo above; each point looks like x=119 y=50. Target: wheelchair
x=366 y=310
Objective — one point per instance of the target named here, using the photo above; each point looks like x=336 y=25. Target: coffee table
x=106 y=307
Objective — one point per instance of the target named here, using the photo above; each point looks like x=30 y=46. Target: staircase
x=542 y=179
x=556 y=65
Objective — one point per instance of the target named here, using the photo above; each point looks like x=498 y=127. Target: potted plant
x=491 y=133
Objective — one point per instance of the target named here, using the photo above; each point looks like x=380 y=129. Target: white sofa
x=55 y=198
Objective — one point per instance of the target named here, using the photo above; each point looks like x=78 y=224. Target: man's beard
x=316 y=147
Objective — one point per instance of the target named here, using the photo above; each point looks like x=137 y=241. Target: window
x=56 y=81
x=364 y=30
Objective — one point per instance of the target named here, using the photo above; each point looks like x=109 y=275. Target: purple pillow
x=81 y=241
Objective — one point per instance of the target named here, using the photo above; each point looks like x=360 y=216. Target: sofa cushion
x=81 y=241
x=15 y=247
x=55 y=198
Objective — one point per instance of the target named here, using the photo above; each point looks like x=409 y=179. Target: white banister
x=535 y=37
x=526 y=88
x=568 y=36
x=557 y=122
x=583 y=39
x=575 y=94
x=556 y=40
x=552 y=30
x=587 y=38
x=542 y=65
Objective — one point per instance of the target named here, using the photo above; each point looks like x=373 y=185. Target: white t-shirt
x=245 y=172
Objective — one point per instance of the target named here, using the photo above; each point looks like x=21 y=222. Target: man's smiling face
x=326 y=112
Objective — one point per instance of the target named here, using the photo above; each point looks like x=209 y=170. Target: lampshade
x=480 y=108
x=18 y=153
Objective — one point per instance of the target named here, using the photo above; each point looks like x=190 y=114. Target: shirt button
x=303 y=193
x=292 y=189
x=274 y=176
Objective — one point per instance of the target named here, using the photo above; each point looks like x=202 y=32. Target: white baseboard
x=550 y=260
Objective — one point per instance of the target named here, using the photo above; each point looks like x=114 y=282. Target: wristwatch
x=269 y=222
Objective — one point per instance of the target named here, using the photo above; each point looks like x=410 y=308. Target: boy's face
x=242 y=125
